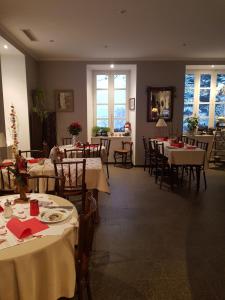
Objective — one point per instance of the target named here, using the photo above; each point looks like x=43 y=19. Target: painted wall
x=15 y=92
x=72 y=75
x=60 y=76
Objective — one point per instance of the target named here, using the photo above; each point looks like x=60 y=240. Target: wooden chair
x=152 y=155
x=92 y=150
x=183 y=138
x=67 y=141
x=84 y=248
x=146 y=153
x=74 y=174
x=53 y=185
x=124 y=154
x=191 y=141
x=204 y=146
x=75 y=152
x=106 y=143
x=6 y=182
x=32 y=153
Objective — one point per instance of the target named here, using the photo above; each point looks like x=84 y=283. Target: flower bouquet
x=20 y=173
x=74 y=129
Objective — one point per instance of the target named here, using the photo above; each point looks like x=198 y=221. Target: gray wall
x=32 y=77
x=72 y=75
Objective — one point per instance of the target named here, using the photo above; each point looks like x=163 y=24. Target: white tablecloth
x=183 y=156
x=41 y=269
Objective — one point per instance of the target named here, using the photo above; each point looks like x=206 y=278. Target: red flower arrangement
x=75 y=128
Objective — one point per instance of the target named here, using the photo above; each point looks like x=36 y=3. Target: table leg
x=97 y=217
x=198 y=171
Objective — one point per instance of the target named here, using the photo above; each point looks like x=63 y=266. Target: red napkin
x=6 y=164
x=26 y=228
x=1 y=209
x=175 y=145
x=34 y=160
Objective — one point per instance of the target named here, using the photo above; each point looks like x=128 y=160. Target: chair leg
x=204 y=179
x=145 y=164
x=107 y=168
x=88 y=288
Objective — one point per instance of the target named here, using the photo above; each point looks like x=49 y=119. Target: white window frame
x=212 y=101
x=111 y=89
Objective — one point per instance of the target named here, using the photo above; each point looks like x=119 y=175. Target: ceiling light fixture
x=123 y=11
x=112 y=66
x=5 y=46
x=51 y=41
x=212 y=66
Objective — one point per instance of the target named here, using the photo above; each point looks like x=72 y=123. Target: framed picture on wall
x=64 y=101
x=160 y=103
x=131 y=103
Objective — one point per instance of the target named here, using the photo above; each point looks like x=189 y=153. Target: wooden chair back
x=85 y=241
x=93 y=150
x=146 y=149
x=191 y=141
x=6 y=181
x=51 y=184
x=159 y=148
x=127 y=146
x=106 y=143
x=32 y=153
x=202 y=145
x=67 y=141
x=74 y=174
x=75 y=152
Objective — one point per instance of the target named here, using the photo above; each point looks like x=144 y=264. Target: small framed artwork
x=131 y=102
x=64 y=101
x=160 y=103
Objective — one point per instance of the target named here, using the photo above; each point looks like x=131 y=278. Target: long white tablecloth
x=183 y=156
x=41 y=269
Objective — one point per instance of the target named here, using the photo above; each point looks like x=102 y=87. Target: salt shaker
x=8 y=211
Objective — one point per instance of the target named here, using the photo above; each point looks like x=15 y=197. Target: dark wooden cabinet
x=42 y=131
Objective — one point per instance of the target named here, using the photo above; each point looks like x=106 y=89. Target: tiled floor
x=157 y=244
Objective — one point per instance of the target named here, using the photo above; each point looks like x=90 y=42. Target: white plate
x=54 y=215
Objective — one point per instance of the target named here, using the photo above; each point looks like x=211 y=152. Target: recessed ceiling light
x=106 y=46
x=51 y=41
x=112 y=66
x=212 y=66
x=5 y=46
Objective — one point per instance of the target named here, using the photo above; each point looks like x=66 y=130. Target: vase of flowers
x=20 y=173
x=192 y=124
x=74 y=129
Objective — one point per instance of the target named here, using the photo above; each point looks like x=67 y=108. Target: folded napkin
x=26 y=228
x=1 y=209
x=34 y=160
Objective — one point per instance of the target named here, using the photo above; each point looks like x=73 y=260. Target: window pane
x=120 y=96
x=120 y=81
x=203 y=122
x=204 y=95
x=189 y=80
x=102 y=123
x=188 y=95
x=119 y=125
x=102 y=111
x=205 y=80
x=185 y=127
x=102 y=97
x=220 y=88
x=204 y=110
x=219 y=110
x=188 y=109
x=102 y=81
x=120 y=111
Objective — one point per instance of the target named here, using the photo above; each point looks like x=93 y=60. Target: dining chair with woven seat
x=75 y=152
x=49 y=184
x=74 y=174
x=92 y=150
x=84 y=248
x=105 y=157
x=66 y=141
x=146 y=153
x=32 y=153
x=6 y=182
x=124 y=155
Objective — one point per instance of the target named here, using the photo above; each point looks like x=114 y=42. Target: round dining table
x=42 y=268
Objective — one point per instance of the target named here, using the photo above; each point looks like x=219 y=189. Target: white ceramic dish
x=54 y=215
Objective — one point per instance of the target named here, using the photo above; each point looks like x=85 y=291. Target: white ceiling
x=96 y=29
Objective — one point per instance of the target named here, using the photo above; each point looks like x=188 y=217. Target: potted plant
x=192 y=124
x=95 y=130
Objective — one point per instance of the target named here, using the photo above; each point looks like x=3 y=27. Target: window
x=111 y=100
x=204 y=95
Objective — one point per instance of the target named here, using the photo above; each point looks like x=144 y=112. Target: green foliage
x=98 y=129
x=192 y=123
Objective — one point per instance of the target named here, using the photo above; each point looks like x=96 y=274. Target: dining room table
x=39 y=264
x=184 y=155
